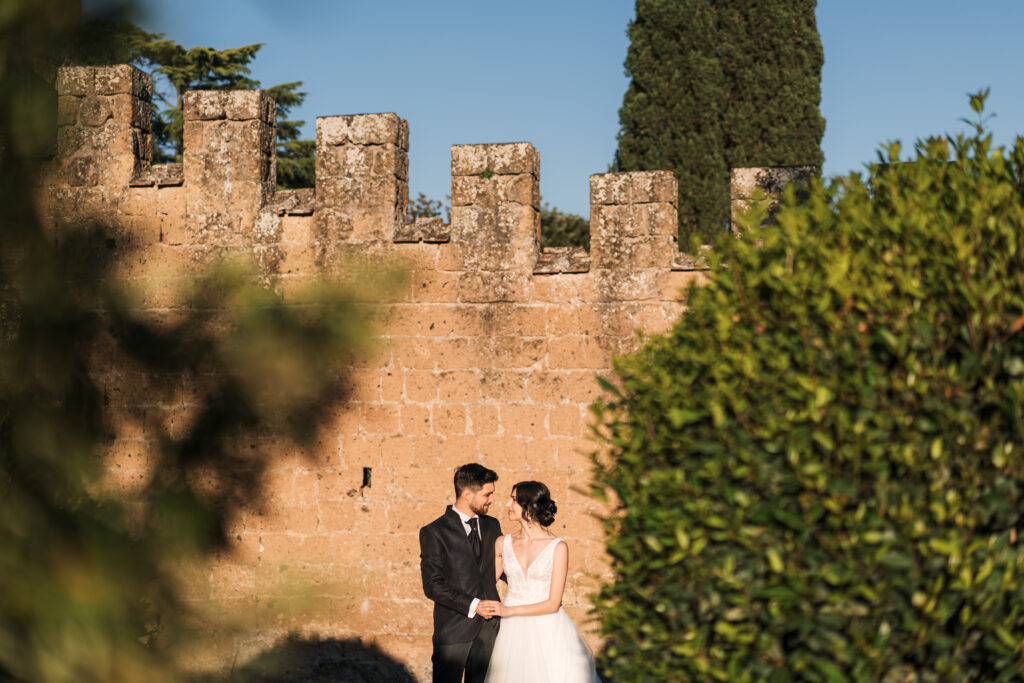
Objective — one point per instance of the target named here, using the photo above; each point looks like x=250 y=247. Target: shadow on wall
x=314 y=660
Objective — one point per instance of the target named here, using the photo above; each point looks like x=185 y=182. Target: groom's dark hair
x=473 y=476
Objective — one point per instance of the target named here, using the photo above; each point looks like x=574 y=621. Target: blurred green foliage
x=819 y=471
x=89 y=577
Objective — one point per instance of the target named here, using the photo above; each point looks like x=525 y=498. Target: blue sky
x=550 y=72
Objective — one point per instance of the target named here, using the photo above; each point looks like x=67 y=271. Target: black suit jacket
x=452 y=577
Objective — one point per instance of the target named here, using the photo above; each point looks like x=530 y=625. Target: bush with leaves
x=90 y=579
x=560 y=229
x=819 y=471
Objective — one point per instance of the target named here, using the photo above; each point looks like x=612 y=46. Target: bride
x=537 y=641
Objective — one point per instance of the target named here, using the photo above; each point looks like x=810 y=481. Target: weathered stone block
x=67 y=110
x=246 y=198
x=266 y=228
x=403 y=134
x=466 y=190
x=363 y=178
x=203 y=105
x=82 y=171
x=155 y=175
x=607 y=221
x=214 y=229
x=139 y=201
x=491 y=286
x=393 y=160
x=76 y=80
x=615 y=252
x=635 y=220
x=622 y=285
x=192 y=135
x=653 y=186
x=610 y=188
x=70 y=139
x=236 y=105
x=298 y=259
x=523 y=188
x=672 y=285
x=373 y=227
x=123 y=140
x=146 y=229
x=499 y=159
x=144 y=151
x=331 y=225
x=664 y=219
x=518 y=220
x=248 y=167
x=470 y=223
x=171 y=201
x=554 y=260
x=142 y=113
x=336 y=190
x=123 y=79
x=230 y=139
x=126 y=109
x=232 y=164
x=245 y=105
x=425 y=229
x=362 y=129
x=95 y=111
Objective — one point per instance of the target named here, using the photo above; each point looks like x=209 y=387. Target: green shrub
x=561 y=229
x=819 y=470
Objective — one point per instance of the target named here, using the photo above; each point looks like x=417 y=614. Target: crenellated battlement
x=222 y=197
x=490 y=352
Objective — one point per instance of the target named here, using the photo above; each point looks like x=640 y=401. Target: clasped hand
x=490 y=608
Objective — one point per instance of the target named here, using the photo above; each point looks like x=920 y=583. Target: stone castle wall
x=491 y=351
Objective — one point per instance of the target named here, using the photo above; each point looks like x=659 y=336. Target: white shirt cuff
x=472 y=607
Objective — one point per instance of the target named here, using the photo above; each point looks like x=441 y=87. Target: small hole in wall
x=367 y=476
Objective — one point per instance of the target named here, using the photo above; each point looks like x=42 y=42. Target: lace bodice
x=534 y=585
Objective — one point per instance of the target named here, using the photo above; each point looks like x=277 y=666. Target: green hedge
x=820 y=467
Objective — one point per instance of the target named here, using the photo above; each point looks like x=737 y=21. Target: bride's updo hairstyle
x=535 y=499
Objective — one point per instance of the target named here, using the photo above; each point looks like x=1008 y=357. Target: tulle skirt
x=541 y=649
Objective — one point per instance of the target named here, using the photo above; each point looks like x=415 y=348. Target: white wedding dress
x=541 y=649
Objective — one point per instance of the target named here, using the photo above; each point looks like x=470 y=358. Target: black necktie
x=474 y=537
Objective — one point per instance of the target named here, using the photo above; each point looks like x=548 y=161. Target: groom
x=457 y=564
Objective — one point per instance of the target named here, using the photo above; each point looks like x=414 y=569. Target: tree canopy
x=716 y=86
x=177 y=70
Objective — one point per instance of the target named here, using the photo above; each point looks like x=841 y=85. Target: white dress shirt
x=465 y=525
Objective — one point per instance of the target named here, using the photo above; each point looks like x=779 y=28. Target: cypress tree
x=671 y=113
x=771 y=59
x=719 y=85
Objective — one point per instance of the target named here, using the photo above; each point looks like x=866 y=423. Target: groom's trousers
x=473 y=657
